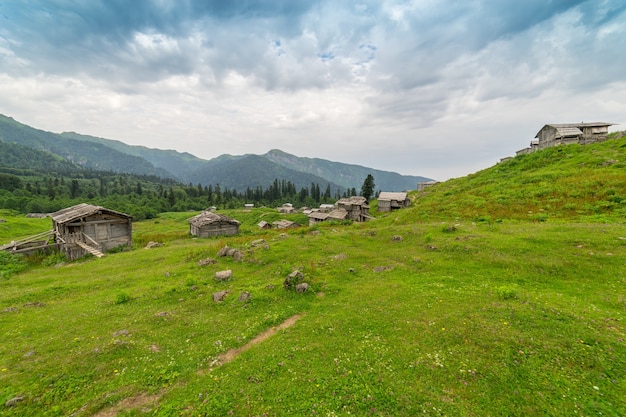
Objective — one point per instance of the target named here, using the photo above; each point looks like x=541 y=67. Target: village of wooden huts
x=207 y=224
x=350 y=208
x=389 y=201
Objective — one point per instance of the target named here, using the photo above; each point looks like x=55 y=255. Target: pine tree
x=367 y=190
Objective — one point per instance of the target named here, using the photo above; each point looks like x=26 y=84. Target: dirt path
x=145 y=401
x=233 y=353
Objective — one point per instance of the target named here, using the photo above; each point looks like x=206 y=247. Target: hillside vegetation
x=566 y=182
x=501 y=293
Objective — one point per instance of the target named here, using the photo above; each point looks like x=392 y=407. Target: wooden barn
x=562 y=134
x=86 y=228
x=207 y=224
x=388 y=201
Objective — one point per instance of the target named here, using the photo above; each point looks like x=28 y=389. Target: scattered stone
x=9 y=310
x=257 y=242
x=302 y=287
x=293 y=279
x=207 y=261
x=315 y=232
x=244 y=296
x=340 y=256
x=2 y=221
x=352 y=270
x=431 y=247
x=449 y=229
x=14 y=401
x=270 y=287
x=29 y=354
x=152 y=244
x=238 y=255
x=167 y=274
x=283 y=235
x=162 y=314
x=231 y=252
x=35 y=304
x=122 y=332
x=224 y=275
x=397 y=238
x=220 y=296
x=223 y=252
x=379 y=269
x=154 y=348
x=193 y=288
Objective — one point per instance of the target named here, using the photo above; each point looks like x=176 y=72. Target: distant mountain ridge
x=237 y=172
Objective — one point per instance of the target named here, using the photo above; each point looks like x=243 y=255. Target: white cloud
x=431 y=88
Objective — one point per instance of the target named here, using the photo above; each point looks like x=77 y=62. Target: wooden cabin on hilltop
x=388 y=201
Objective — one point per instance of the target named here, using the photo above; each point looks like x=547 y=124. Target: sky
x=435 y=88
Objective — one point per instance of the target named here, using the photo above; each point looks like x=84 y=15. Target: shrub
x=11 y=264
x=122 y=298
x=507 y=292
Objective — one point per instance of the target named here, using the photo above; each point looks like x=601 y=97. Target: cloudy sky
x=437 y=88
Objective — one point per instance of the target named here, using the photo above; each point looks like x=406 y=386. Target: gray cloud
x=315 y=76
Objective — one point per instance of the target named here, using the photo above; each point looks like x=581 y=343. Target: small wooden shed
x=207 y=224
x=86 y=228
x=388 y=201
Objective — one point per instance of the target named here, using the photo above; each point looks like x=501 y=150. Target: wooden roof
x=318 y=215
x=389 y=196
x=563 y=128
x=81 y=210
x=208 y=217
x=354 y=200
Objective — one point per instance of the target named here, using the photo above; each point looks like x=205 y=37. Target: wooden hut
x=207 y=224
x=86 y=228
x=388 y=201
x=561 y=134
x=264 y=225
x=356 y=207
x=285 y=224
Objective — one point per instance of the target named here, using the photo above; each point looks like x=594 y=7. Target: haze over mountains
x=235 y=172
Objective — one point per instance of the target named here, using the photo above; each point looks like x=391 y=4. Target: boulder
x=207 y=261
x=224 y=275
x=223 y=252
x=219 y=296
x=152 y=244
x=244 y=296
x=302 y=287
x=293 y=279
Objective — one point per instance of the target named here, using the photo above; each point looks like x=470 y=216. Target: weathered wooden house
x=316 y=217
x=286 y=208
x=285 y=224
x=207 y=224
x=388 y=201
x=356 y=207
x=562 y=134
x=86 y=228
x=264 y=225
x=421 y=186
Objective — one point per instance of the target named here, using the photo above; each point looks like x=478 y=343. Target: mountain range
x=237 y=172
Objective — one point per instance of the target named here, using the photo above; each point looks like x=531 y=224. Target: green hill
x=565 y=182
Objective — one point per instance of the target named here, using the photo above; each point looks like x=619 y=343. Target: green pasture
x=403 y=318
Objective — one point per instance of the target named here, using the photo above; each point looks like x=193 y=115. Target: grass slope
x=418 y=312
x=565 y=182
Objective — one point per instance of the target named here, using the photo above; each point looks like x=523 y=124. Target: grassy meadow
x=442 y=309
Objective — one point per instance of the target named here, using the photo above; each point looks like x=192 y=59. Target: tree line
x=145 y=196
